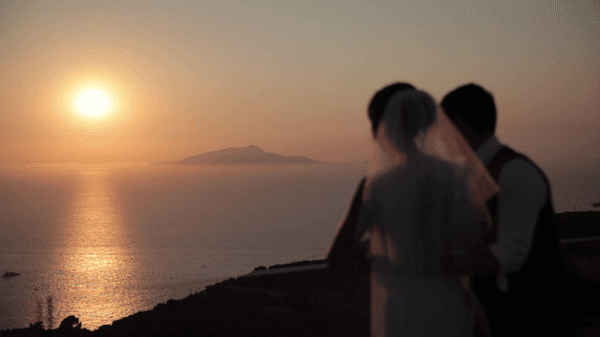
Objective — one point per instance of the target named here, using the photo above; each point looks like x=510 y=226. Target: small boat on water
x=10 y=274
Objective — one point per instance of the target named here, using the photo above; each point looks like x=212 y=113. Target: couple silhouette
x=451 y=227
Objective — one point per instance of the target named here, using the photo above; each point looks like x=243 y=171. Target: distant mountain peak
x=251 y=154
x=249 y=149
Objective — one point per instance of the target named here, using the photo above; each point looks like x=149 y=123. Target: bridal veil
x=424 y=204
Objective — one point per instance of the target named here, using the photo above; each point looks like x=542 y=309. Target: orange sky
x=292 y=78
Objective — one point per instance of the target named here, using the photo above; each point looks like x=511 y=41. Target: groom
x=520 y=277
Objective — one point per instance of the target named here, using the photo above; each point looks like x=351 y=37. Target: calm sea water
x=103 y=242
x=575 y=184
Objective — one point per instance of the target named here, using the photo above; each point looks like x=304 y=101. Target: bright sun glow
x=93 y=103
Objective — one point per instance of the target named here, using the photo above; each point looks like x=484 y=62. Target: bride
x=419 y=222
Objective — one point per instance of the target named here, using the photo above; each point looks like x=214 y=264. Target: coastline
x=308 y=299
x=313 y=301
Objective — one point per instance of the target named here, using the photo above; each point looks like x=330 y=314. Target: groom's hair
x=474 y=105
x=380 y=100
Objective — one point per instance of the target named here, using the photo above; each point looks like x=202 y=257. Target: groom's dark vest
x=544 y=257
x=536 y=287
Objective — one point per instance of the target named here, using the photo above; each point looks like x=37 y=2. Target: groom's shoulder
x=509 y=162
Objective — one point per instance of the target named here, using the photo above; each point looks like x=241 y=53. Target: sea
x=104 y=241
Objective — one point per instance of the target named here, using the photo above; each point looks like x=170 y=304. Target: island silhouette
x=249 y=155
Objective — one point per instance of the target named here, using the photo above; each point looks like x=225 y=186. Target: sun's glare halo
x=93 y=103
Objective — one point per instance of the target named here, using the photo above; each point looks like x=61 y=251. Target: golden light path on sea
x=97 y=261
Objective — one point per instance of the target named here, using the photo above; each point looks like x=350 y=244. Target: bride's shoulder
x=436 y=164
x=394 y=175
x=443 y=171
x=421 y=167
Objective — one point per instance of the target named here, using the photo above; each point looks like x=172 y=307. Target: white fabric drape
x=423 y=206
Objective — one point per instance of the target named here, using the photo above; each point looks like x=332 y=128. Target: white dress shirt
x=522 y=195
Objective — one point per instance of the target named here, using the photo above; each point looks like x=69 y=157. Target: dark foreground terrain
x=321 y=302
x=306 y=303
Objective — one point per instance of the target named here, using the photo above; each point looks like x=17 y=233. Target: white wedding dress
x=418 y=224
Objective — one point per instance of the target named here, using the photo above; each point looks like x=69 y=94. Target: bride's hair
x=406 y=118
x=380 y=100
x=407 y=114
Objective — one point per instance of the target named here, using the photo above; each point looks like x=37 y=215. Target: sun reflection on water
x=97 y=262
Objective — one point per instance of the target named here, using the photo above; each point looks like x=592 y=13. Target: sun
x=93 y=103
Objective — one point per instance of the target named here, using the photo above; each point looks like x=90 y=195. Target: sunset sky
x=292 y=77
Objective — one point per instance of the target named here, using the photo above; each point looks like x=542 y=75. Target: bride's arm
x=345 y=251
